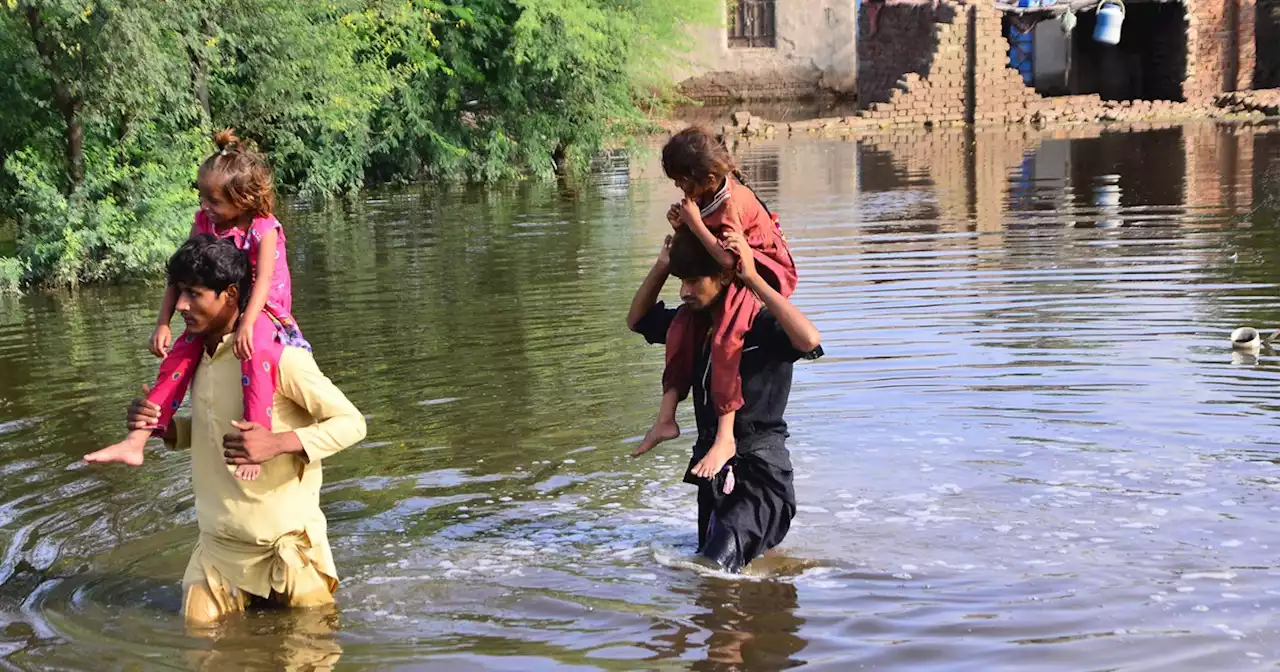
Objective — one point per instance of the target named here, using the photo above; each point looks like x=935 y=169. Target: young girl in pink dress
x=237 y=196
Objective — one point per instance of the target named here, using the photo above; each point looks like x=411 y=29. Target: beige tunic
x=256 y=535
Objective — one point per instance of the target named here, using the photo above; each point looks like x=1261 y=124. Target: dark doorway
x=1266 y=74
x=1150 y=62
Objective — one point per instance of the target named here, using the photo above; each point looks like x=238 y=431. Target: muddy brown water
x=1029 y=446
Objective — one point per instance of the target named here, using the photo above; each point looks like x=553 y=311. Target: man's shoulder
x=653 y=326
x=294 y=358
x=767 y=334
x=764 y=324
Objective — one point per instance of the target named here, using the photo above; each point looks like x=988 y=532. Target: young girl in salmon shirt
x=237 y=197
x=716 y=203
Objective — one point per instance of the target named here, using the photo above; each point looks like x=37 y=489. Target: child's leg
x=722 y=450
x=678 y=374
x=677 y=378
x=665 y=428
x=258 y=375
x=170 y=388
x=739 y=311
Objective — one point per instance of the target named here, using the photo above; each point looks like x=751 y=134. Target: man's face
x=701 y=292
x=206 y=311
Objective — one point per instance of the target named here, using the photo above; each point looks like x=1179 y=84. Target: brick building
x=951 y=62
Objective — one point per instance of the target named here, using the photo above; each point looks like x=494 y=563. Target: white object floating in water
x=1246 y=338
x=437 y=402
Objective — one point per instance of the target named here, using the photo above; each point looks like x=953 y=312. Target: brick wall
x=1221 y=48
x=966 y=77
x=904 y=43
x=949 y=65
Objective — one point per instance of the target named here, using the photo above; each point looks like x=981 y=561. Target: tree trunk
x=200 y=70
x=75 y=147
x=200 y=82
x=67 y=103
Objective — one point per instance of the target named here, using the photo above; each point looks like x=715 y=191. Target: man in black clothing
x=747 y=508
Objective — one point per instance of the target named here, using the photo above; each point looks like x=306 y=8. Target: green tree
x=98 y=176
x=111 y=102
x=290 y=75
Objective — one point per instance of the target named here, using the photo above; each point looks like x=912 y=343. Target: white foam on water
x=437 y=402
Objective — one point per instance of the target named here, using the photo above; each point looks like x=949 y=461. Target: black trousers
x=735 y=529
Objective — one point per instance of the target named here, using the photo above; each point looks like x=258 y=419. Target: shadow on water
x=1028 y=445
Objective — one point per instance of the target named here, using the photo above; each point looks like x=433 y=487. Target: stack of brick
x=1265 y=102
x=969 y=78
x=938 y=94
x=902 y=43
x=999 y=93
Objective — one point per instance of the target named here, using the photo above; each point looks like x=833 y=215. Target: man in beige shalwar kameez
x=261 y=541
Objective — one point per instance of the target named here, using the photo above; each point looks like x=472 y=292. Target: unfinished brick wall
x=1190 y=53
x=969 y=78
x=939 y=90
x=1221 y=48
x=904 y=43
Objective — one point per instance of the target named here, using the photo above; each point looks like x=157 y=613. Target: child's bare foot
x=662 y=430
x=248 y=472
x=130 y=451
x=721 y=452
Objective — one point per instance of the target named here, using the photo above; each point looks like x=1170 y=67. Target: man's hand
x=736 y=243
x=142 y=414
x=251 y=444
x=664 y=255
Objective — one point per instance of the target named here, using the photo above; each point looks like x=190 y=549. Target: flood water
x=1028 y=447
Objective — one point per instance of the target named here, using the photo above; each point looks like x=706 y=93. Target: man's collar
x=222 y=343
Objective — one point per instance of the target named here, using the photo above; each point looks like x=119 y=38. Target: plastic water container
x=1110 y=19
x=1021 y=56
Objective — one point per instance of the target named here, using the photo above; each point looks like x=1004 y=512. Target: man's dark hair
x=690 y=258
x=213 y=263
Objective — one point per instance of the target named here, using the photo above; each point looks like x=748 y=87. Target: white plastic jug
x=1110 y=18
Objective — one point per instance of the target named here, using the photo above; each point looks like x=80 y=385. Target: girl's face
x=214 y=203
x=696 y=189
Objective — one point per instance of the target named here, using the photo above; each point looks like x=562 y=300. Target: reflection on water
x=1030 y=444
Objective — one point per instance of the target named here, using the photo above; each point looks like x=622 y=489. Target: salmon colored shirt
x=253 y=532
